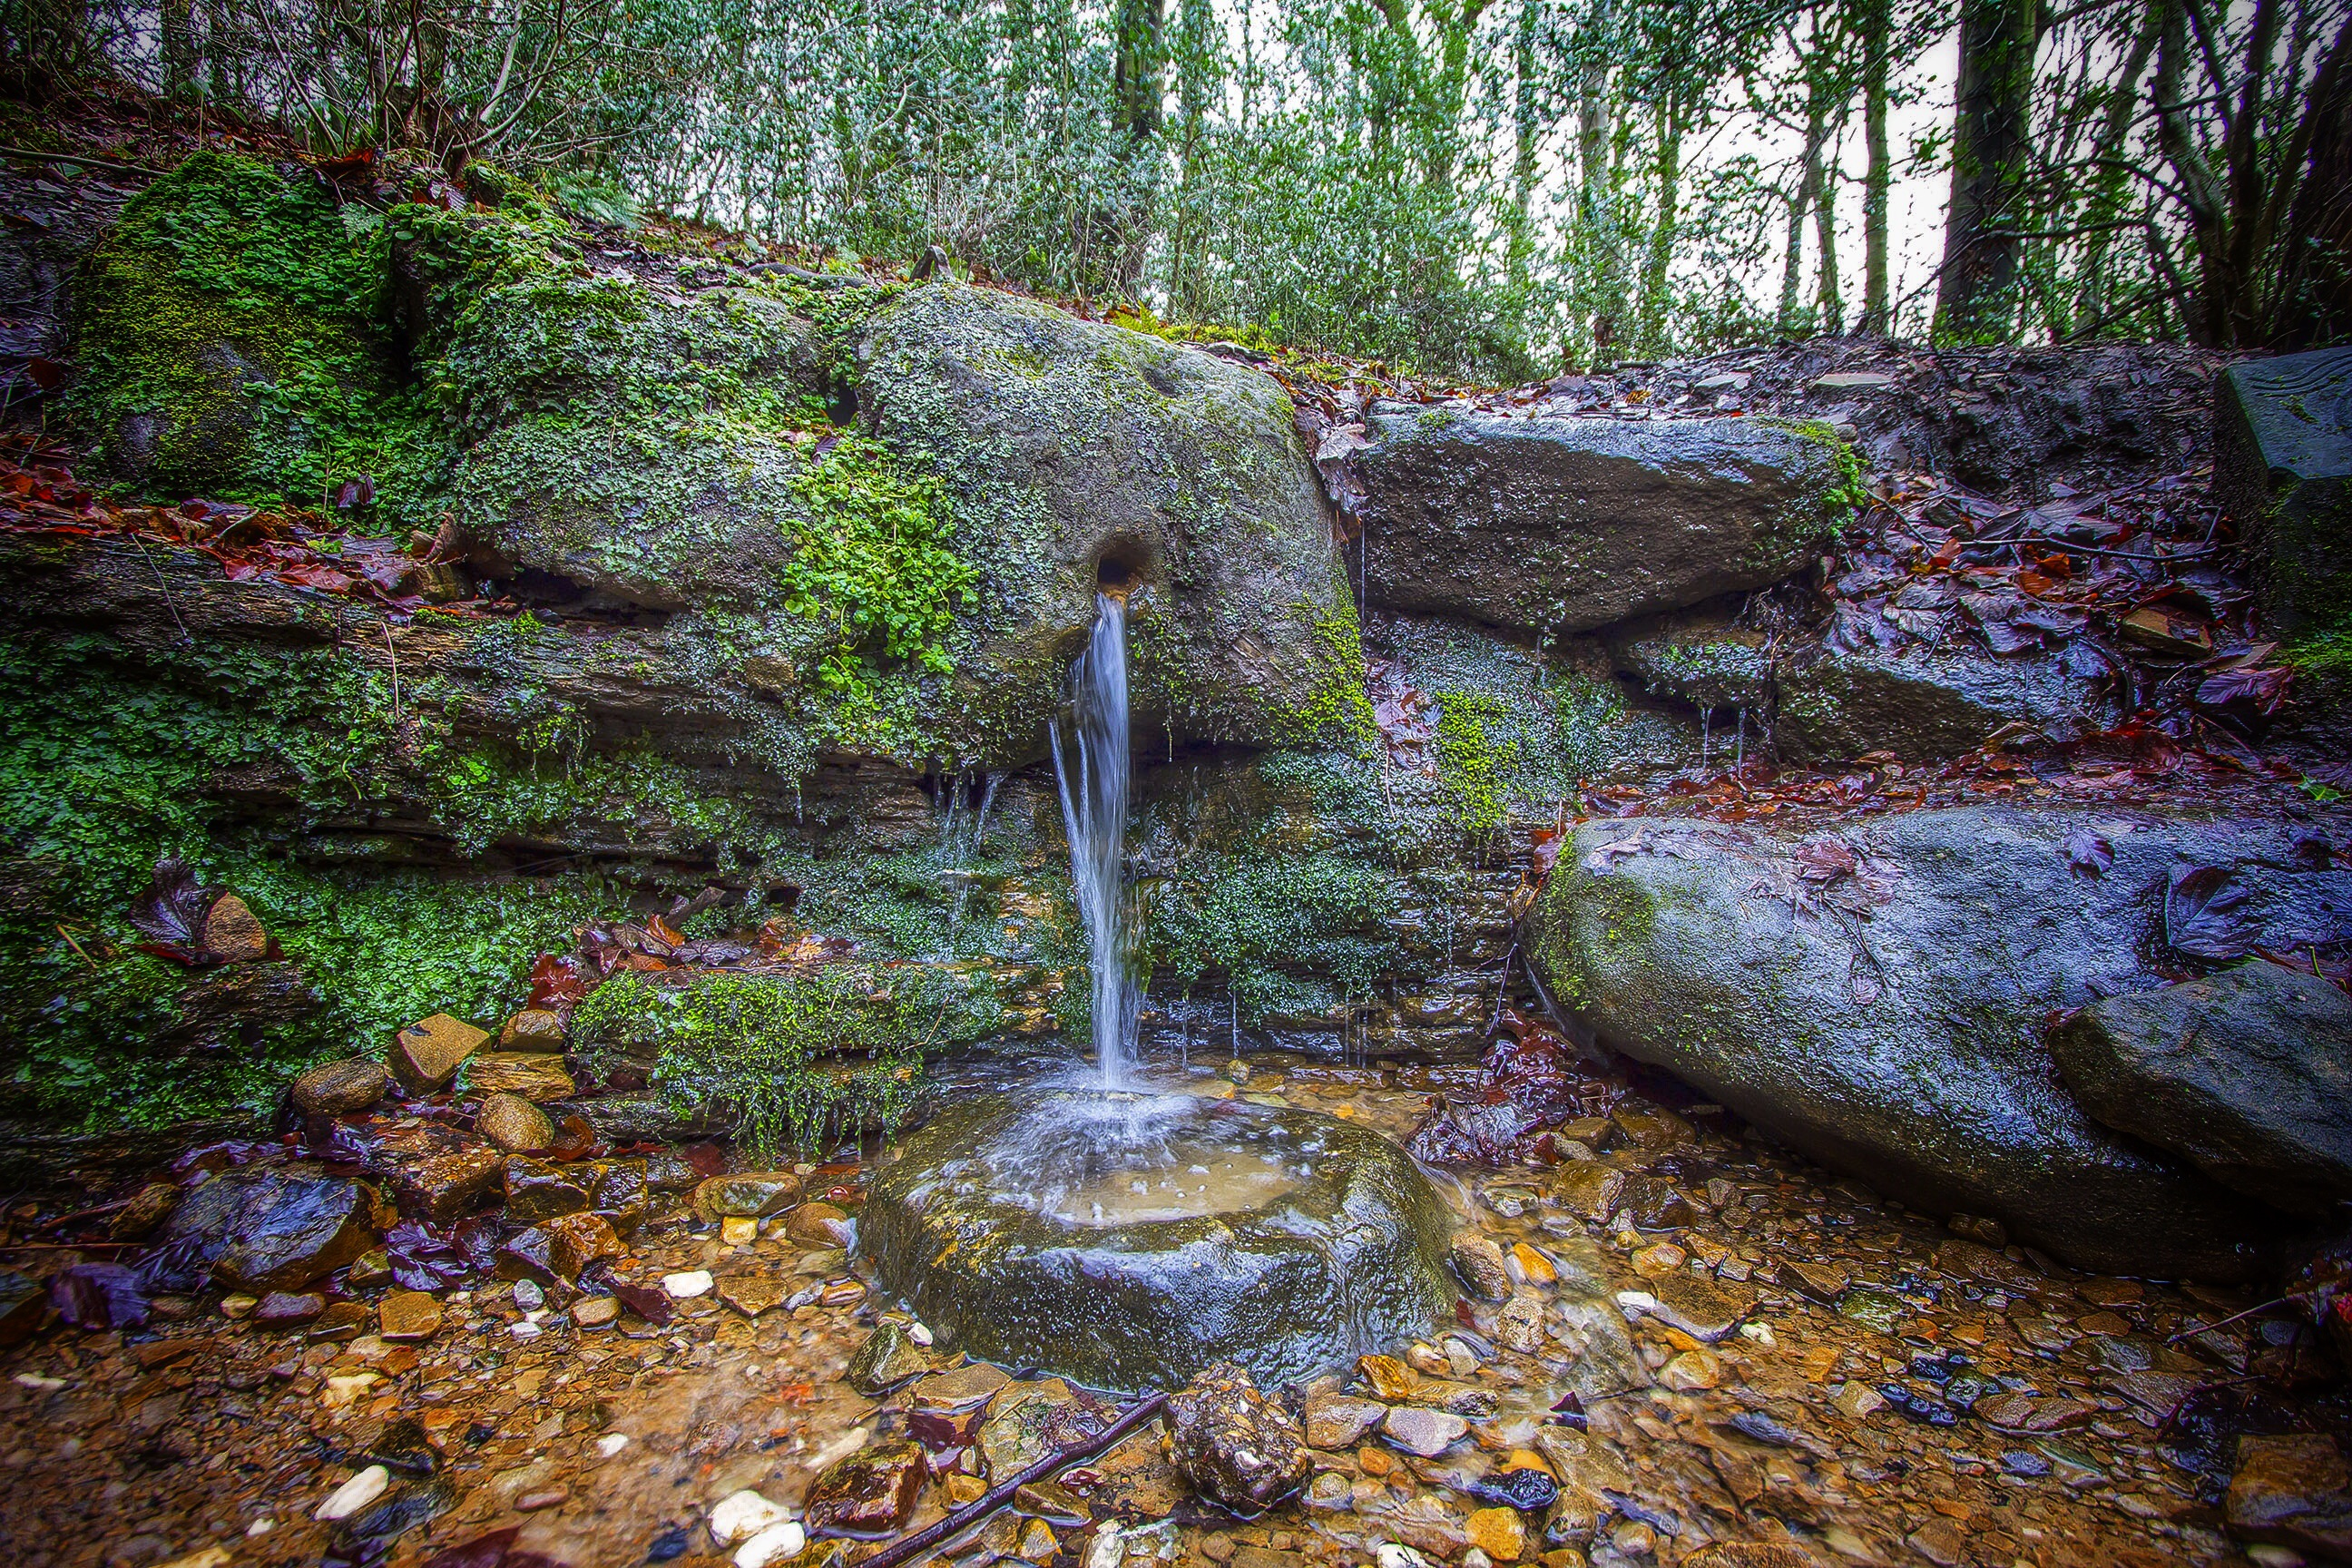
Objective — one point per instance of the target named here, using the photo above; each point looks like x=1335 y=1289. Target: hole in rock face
x=1116 y=575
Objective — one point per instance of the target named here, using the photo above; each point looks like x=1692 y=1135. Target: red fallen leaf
x=661 y=932
x=46 y=373
x=647 y=1302
x=2205 y=914
x=705 y=1160
x=1543 y=852
x=1824 y=860
x=325 y=578
x=173 y=908
x=558 y=983
x=483 y=1551
x=2265 y=689
x=2088 y=853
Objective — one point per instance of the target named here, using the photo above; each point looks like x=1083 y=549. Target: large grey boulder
x=1081 y=456
x=1880 y=1001
x=1563 y=525
x=1825 y=702
x=1924 y=702
x=2248 y=1073
x=2283 y=469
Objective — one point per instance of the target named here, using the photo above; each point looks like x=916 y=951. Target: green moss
x=1264 y=922
x=1840 y=503
x=230 y=336
x=762 y=1049
x=1338 y=711
x=1472 y=763
x=872 y=560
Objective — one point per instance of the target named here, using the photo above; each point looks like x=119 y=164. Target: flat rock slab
x=2247 y=1072
x=2283 y=469
x=269 y=1231
x=1571 y=524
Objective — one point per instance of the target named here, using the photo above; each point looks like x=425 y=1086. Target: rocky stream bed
x=1678 y=1343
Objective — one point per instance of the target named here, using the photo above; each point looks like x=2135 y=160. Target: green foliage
x=1470 y=762
x=760 y=1048
x=872 y=560
x=1257 y=919
x=229 y=338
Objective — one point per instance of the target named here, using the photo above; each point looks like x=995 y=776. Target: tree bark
x=177 y=46
x=1991 y=121
x=1787 y=320
x=2313 y=306
x=1654 y=265
x=1829 y=303
x=1876 y=28
x=1597 y=199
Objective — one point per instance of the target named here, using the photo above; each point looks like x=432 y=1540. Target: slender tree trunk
x=1527 y=133
x=1788 y=319
x=2110 y=187
x=1138 y=70
x=1597 y=204
x=177 y=45
x=1991 y=123
x=1878 y=178
x=1829 y=304
x=1654 y=266
x=2312 y=306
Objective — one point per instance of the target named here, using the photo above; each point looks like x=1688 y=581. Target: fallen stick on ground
x=1002 y=1493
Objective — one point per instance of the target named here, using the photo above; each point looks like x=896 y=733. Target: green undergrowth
x=231 y=334
x=110 y=762
x=1258 y=921
x=789 y=1060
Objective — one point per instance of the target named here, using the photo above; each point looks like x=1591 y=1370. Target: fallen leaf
x=2088 y=853
x=2205 y=914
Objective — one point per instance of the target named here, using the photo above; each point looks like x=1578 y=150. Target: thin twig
x=162 y=582
x=2224 y=1322
x=77 y=158
x=85 y=957
x=1002 y=1493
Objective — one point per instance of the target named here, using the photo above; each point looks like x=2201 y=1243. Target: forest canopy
x=1492 y=189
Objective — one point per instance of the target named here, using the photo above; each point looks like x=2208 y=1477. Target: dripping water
x=1093 y=785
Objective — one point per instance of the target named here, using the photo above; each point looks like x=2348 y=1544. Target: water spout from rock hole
x=1094 y=814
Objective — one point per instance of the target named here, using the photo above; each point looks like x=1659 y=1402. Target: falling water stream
x=1093 y=787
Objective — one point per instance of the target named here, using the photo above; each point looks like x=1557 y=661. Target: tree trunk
x=1829 y=304
x=1597 y=210
x=1653 y=342
x=1137 y=75
x=1788 y=322
x=1526 y=133
x=1990 y=125
x=177 y=46
x=2110 y=187
x=2312 y=306
x=1878 y=179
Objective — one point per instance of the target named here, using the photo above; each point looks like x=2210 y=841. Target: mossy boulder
x=1080 y=455
x=230 y=340
x=1346 y=1260
x=1889 y=1021
x=1567 y=525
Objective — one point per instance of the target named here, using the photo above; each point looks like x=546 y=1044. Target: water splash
x=1094 y=814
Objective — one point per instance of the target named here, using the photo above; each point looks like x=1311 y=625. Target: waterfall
x=1094 y=813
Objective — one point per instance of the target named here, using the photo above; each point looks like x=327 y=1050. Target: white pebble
x=612 y=1443
x=35 y=1381
x=261 y=1526
x=525 y=1330
x=771 y=1545
x=355 y=1494
x=1109 y=1549
x=1761 y=1333
x=742 y=1515
x=919 y=1334
x=687 y=1286
x=1392 y=1555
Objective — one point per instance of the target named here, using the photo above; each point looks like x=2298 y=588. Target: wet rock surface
x=1892 y=1390
x=1877 y=996
x=2248 y=1073
x=1571 y=524
x=1349 y=1255
x=1238 y=1447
